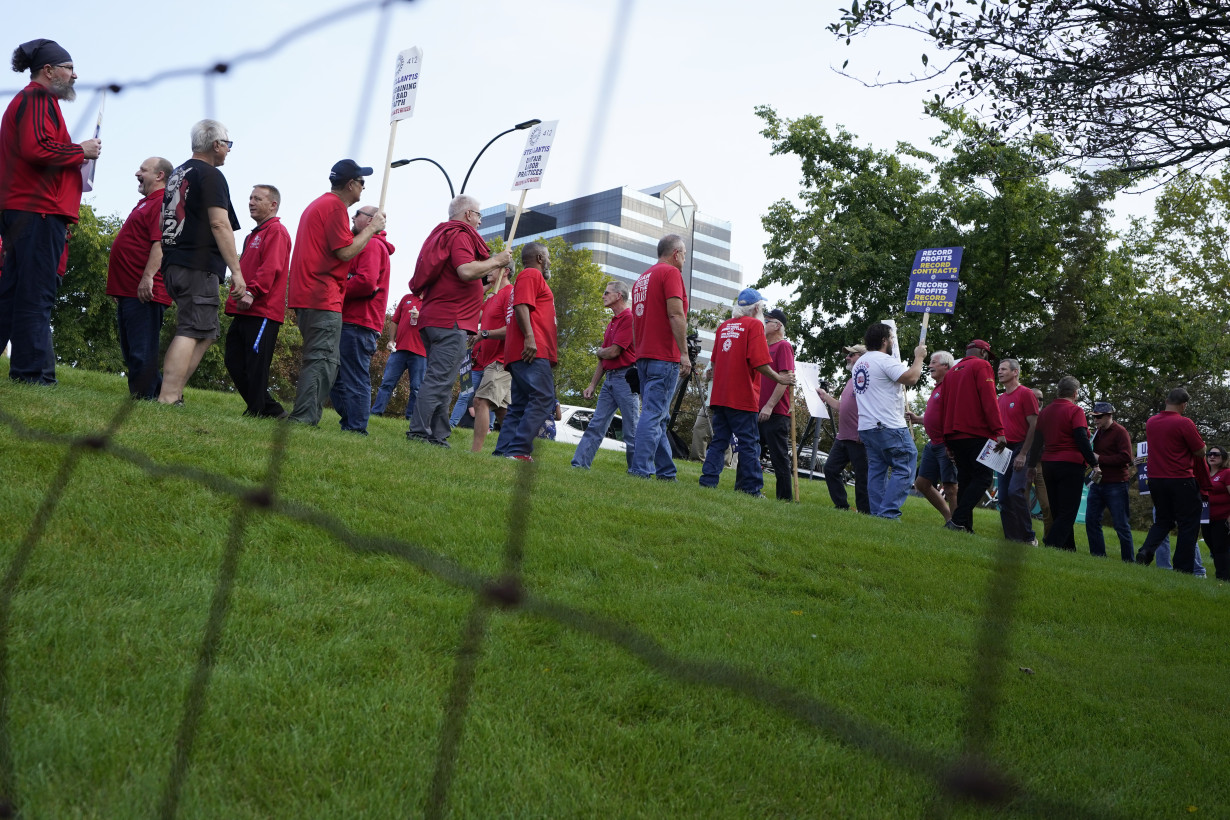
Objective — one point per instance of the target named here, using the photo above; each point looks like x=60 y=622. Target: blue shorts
x=937 y=467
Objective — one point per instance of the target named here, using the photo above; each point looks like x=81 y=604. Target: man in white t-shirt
x=879 y=388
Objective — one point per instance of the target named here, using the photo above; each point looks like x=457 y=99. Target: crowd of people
x=179 y=242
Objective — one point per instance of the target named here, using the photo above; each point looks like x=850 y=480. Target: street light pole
x=521 y=126
x=399 y=163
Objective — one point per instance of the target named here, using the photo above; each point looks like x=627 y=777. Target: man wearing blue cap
x=324 y=246
x=740 y=351
x=40 y=196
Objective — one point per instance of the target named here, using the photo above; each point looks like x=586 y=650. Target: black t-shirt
x=194 y=188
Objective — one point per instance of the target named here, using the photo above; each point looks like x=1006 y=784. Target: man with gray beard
x=40 y=196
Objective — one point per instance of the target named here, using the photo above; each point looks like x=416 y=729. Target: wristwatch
x=486 y=334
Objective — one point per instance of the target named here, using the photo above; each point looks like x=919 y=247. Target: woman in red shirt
x=1215 y=532
x=1062 y=440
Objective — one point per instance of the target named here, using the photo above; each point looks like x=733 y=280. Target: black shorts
x=196 y=301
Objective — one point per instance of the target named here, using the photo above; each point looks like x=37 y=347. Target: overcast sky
x=681 y=105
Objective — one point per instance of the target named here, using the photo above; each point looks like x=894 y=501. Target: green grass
x=328 y=694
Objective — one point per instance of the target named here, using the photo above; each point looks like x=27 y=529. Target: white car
x=575 y=419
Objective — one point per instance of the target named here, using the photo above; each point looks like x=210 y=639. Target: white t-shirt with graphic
x=880 y=398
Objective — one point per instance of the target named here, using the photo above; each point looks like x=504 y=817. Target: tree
x=578 y=283
x=1141 y=84
x=83 y=319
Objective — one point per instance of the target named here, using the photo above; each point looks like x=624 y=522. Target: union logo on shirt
x=861 y=376
x=726 y=346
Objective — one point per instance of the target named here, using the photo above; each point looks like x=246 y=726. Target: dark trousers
x=1064 y=481
x=1218 y=539
x=740 y=424
x=847 y=452
x=139 y=325
x=973 y=478
x=775 y=440
x=1014 y=500
x=33 y=245
x=249 y=352
x=1176 y=504
x=1111 y=496
x=446 y=348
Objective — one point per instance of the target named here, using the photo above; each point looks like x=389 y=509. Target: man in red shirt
x=448 y=275
x=1178 y=475
x=324 y=249
x=363 y=314
x=529 y=354
x=493 y=391
x=739 y=353
x=775 y=409
x=936 y=468
x=258 y=316
x=659 y=333
x=968 y=416
x=134 y=281
x=40 y=196
x=408 y=355
x=1018 y=408
x=616 y=357
x=1062 y=439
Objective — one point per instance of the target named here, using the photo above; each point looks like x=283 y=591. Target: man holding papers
x=969 y=416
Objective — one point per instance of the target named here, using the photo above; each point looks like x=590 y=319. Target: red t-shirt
x=494 y=315
x=265 y=263
x=447 y=301
x=931 y=416
x=654 y=337
x=407 y=329
x=531 y=290
x=1173 y=446
x=1055 y=424
x=317 y=276
x=131 y=249
x=367 y=285
x=1014 y=410
x=739 y=347
x=781 y=355
x=40 y=166
x=1219 y=497
x=619 y=332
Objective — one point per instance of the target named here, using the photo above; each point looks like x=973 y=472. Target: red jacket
x=448 y=301
x=367 y=284
x=968 y=406
x=40 y=166
x=265 y=263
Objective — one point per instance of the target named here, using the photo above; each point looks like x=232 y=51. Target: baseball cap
x=1103 y=407
x=980 y=344
x=346 y=170
x=859 y=349
x=749 y=296
x=776 y=313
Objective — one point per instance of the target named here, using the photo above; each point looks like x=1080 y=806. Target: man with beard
x=40 y=196
x=134 y=281
x=529 y=355
x=847 y=446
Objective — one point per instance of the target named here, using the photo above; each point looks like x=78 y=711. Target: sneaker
x=955 y=527
x=1145 y=558
x=522 y=458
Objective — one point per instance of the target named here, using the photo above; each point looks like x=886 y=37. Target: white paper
x=896 y=346
x=996 y=461
x=406 y=83
x=807 y=379
x=535 y=155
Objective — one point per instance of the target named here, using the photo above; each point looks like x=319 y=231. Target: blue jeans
x=400 y=361
x=33 y=245
x=889 y=447
x=352 y=392
x=652 y=454
x=615 y=393
x=139 y=325
x=1113 y=497
x=744 y=426
x=532 y=403
x=464 y=398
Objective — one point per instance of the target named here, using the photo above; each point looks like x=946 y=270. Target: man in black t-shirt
x=198 y=245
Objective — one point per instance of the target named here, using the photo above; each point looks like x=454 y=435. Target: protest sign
x=807 y=375
x=405 y=90
x=933 y=284
x=87 y=168
x=533 y=164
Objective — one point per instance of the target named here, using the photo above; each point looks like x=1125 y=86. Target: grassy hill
x=679 y=652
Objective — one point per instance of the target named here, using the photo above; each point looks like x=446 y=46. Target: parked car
x=575 y=419
x=809 y=471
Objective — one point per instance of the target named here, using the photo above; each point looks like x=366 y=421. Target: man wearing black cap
x=969 y=415
x=40 y=196
x=775 y=409
x=324 y=246
x=1109 y=490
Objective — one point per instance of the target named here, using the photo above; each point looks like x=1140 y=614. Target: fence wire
x=967 y=776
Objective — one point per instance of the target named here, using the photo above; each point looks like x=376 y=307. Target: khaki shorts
x=496 y=386
x=196 y=301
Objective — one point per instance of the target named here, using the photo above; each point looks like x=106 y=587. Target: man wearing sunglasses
x=1109 y=488
x=324 y=248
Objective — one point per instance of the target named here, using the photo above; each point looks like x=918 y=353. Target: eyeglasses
x=228 y=143
x=1100 y=415
x=1216 y=455
x=362 y=182
x=472 y=211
